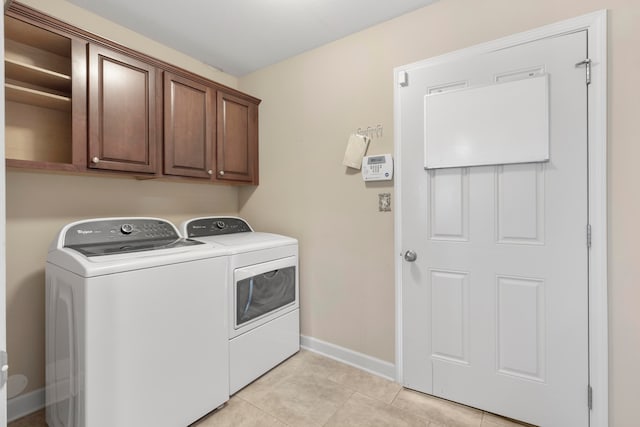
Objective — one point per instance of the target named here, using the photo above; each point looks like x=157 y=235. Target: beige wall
x=312 y=102
x=39 y=204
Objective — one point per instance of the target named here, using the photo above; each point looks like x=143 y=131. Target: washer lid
x=108 y=236
x=103 y=246
x=111 y=248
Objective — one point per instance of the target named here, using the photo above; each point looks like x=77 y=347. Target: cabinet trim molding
x=36 y=17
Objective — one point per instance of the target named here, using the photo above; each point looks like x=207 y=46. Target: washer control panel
x=216 y=226
x=119 y=230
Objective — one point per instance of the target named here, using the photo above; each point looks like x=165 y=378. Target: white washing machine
x=136 y=331
x=263 y=297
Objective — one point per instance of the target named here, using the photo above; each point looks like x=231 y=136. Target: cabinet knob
x=95 y=160
x=221 y=173
x=210 y=172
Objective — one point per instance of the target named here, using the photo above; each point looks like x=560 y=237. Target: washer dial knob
x=126 y=228
x=221 y=225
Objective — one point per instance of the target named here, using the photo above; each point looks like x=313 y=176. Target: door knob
x=4 y=368
x=410 y=256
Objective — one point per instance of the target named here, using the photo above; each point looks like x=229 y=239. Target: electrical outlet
x=384 y=202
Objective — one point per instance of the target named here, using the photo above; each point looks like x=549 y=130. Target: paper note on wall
x=356 y=149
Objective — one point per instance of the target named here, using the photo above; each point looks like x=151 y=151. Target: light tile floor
x=312 y=390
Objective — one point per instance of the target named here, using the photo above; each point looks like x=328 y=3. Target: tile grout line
x=346 y=386
x=341 y=406
x=366 y=373
x=261 y=410
x=396 y=395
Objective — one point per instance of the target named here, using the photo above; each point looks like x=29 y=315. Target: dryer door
x=261 y=291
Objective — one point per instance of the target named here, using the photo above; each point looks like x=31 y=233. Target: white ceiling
x=241 y=36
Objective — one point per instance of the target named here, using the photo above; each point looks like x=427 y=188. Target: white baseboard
x=25 y=404
x=358 y=360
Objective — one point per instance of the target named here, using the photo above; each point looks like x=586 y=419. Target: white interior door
x=495 y=306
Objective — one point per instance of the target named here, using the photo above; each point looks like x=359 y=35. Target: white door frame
x=3 y=246
x=596 y=25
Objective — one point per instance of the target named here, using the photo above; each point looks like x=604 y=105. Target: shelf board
x=26 y=95
x=31 y=164
x=36 y=75
x=25 y=54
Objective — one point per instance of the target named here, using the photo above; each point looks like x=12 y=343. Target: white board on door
x=496 y=124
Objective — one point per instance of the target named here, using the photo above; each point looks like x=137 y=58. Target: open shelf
x=26 y=95
x=35 y=133
x=16 y=51
x=38 y=93
x=37 y=37
x=32 y=74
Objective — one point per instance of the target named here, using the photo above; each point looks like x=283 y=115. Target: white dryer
x=135 y=325
x=263 y=295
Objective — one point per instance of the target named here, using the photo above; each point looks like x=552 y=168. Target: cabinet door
x=189 y=113
x=122 y=112
x=237 y=140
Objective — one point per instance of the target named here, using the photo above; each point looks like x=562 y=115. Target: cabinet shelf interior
x=39 y=98
x=19 y=71
x=36 y=37
x=38 y=88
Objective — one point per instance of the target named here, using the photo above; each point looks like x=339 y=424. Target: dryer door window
x=263 y=293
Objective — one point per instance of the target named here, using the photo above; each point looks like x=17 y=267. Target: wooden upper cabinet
x=77 y=102
x=45 y=93
x=237 y=139
x=122 y=112
x=189 y=118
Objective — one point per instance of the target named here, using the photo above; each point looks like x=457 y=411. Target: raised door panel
x=237 y=139
x=188 y=127
x=122 y=112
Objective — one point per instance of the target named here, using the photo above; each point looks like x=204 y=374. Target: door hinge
x=588 y=236
x=4 y=368
x=587 y=67
x=403 y=79
x=590 y=397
